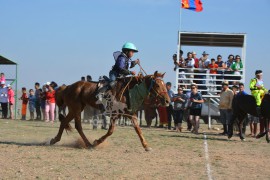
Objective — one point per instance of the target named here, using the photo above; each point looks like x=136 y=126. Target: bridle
x=156 y=94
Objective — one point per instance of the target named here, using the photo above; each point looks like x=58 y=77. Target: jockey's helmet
x=129 y=46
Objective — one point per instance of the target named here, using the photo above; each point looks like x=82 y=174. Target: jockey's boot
x=112 y=84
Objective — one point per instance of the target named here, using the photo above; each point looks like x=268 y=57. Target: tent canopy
x=212 y=39
x=6 y=61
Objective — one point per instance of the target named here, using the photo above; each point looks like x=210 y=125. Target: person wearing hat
x=257 y=89
x=11 y=101
x=225 y=107
x=121 y=67
x=4 y=99
x=203 y=65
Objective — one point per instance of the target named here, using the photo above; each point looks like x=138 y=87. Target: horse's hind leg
x=64 y=123
x=139 y=132
x=78 y=126
x=240 y=127
x=109 y=133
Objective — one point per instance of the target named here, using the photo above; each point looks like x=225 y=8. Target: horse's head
x=157 y=89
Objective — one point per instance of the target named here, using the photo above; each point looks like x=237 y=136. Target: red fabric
x=194 y=5
x=24 y=98
x=199 y=7
x=213 y=71
x=163 y=117
x=24 y=108
x=196 y=65
x=50 y=96
x=11 y=96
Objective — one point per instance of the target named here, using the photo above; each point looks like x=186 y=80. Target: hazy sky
x=62 y=40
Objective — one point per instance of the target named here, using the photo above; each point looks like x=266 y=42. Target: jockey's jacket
x=122 y=64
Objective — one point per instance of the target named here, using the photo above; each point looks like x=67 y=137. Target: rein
x=142 y=69
x=126 y=87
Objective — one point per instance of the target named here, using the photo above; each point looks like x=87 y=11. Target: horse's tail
x=62 y=119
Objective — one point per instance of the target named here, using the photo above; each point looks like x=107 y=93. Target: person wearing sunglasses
x=237 y=67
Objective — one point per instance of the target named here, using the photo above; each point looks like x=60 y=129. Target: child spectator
x=32 y=103
x=4 y=99
x=11 y=101
x=43 y=101
x=50 y=104
x=213 y=70
x=2 y=77
x=24 y=99
x=179 y=100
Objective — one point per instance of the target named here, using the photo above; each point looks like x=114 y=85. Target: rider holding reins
x=122 y=64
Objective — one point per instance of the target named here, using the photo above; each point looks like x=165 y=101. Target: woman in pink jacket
x=11 y=101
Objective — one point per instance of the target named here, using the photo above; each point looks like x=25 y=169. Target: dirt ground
x=174 y=156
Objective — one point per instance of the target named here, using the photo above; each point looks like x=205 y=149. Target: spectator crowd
x=193 y=69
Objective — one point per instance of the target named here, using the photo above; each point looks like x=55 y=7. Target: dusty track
x=174 y=155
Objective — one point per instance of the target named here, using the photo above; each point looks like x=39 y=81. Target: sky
x=62 y=40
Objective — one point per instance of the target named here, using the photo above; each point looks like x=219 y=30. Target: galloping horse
x=246 y=104
x=80 y=94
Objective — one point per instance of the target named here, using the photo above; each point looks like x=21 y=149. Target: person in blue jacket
x=122 y=65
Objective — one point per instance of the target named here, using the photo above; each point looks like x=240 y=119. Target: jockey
x=257 y=89
x=122 y=64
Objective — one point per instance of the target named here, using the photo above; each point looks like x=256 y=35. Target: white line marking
x=208 y=168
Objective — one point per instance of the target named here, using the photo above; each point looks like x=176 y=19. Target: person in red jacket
x=50 y=104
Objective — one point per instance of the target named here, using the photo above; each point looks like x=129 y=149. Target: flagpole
x=178 y=43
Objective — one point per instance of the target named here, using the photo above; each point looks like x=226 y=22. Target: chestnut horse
x=80 y=94
x=246 y=104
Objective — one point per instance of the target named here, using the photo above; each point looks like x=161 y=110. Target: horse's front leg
x=78 y=126
x=64 y=123
x=109 y=133
x=139 y=132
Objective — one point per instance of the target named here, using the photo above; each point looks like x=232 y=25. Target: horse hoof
x=95 y=143
x=243 y=140
x=48 y=143
x=148 y=149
